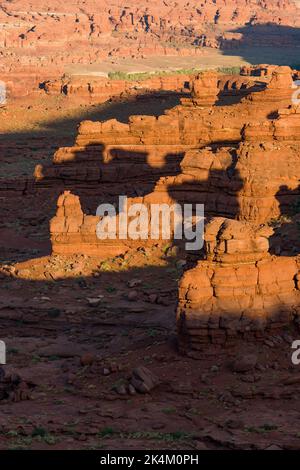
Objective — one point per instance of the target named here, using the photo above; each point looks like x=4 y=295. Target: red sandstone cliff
x=240 y=159
x=45 y=37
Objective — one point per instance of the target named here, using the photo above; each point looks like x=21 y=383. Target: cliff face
x=240 y=290
x=40 y=43
x=233 y=146
x=100 y=90
x=34 y=33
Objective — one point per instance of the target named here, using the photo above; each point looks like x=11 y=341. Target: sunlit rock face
x=240 y=290
x=37 y=40
x=232 y=145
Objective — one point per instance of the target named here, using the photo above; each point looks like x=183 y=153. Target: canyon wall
x=226 y=147
x=31 y=26
x=99 y=90
x=38 y=40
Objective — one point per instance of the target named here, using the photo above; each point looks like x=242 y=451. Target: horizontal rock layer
x=239 y=290
x=235 y=152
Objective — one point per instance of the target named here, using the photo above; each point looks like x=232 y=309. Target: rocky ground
x=92 y=358
x=92 y=363
x=75 y=344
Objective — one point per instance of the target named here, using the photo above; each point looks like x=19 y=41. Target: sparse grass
x=110 y=289
x=39 y=434
x=148 y=435
x=160 y=436
x=141 y=76
x=21 y=443
x=36 y=359
x=152 y=333
x=261 y=429
x=166 y=247
x=105 y=266
x=50 y=439
x=53 y=358
x=169 y=410
x=118 y=383
x=107 y=432
x=12 y=433
x=58 y=402
x=98 y=446
x=229 y=70
x=147 y=286
x=13 y=351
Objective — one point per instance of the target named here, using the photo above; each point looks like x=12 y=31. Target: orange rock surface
x=39 y=40
x=99 y=90
x=31 y=25
x=233 y=146
x=239 y=290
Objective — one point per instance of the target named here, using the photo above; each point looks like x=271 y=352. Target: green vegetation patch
x=141 y=76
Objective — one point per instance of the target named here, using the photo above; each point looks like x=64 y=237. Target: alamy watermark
x=296 y=93
x=2 y=93
x=296 y=353
x=2 y=353
x=153 y=221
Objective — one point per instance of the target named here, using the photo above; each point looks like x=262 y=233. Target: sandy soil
x=211 y=58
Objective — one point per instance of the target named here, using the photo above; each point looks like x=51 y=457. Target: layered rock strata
x=100 y=90
x=104 y=29
x=43 y=40
x=245 y=172
x=194 y=124
x=239 y=290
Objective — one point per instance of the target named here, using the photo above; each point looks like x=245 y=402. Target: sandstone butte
x=232 y=144
x=39 y=40
x=99 y=90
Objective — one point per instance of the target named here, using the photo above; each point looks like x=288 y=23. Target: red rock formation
x=102 y=89
x=245 y=172
x=241 y=183
x=160 y=142
x=278 y=89
x=46 y=38
x=205 y=89
x=239 y=290
x=36 y=21
x=72 y=231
